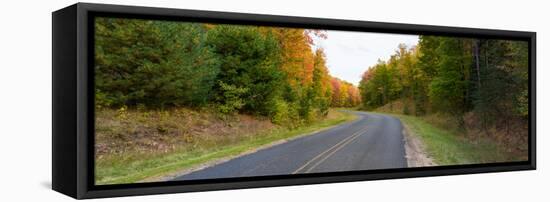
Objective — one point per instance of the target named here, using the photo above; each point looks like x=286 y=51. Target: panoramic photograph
x=177 y=101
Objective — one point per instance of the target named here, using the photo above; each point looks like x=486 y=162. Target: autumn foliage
x=264 y=71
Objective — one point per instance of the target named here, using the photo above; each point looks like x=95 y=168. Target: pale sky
x=349 y=54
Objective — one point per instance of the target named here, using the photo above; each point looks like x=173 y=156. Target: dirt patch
x=415 y=152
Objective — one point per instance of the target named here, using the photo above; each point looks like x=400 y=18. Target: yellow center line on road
x=333 y=151
x=344 y=141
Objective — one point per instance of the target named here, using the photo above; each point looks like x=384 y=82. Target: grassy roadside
x=448 y=147
x=134 y=166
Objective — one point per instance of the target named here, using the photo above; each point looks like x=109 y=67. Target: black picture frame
x=73 y=100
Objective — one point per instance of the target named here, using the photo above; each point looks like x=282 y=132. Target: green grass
x=124 y=168
x=448 y=147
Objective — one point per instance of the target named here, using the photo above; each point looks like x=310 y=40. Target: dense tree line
x=453 y=76
x=265 y=71
x=344 y=94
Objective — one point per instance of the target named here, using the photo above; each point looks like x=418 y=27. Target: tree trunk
x=476 y=56
x=487 y=54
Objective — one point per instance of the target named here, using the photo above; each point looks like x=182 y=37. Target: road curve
x=373 y=141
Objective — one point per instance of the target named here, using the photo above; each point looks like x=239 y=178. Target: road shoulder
x=415 y=150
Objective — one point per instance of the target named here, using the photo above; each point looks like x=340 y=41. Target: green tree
x=232 y=98
x=449 y=86
x=504 y=80
x=249 y=60
x=155 y=63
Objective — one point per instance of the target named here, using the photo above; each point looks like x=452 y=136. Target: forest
x=263 y=71
x=481 y=85
x=174 y=96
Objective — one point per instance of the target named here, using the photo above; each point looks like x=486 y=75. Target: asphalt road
x=373 y=141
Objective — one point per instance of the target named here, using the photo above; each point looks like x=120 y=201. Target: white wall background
x=25 y=100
